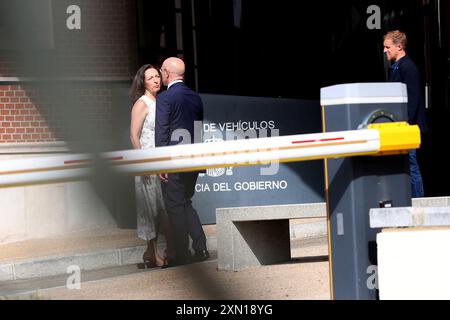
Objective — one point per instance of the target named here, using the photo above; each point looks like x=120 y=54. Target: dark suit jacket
x=408 y=73
x=177 y=108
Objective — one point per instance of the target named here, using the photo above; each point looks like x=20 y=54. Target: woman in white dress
x=151 y=214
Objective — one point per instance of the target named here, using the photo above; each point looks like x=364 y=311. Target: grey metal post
x=356 y=184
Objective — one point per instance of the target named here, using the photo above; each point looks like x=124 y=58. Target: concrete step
x=28 y=288
x=89 y=250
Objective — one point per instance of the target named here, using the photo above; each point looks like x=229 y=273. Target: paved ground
x=305 y=277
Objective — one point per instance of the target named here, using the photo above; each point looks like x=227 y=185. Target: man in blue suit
x=177 y=109
x=405 y=70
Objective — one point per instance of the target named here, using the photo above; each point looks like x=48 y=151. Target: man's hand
x=164 y=177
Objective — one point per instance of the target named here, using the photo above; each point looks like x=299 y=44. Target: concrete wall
x=31 y=212
x=413 y=264
x=412 y=250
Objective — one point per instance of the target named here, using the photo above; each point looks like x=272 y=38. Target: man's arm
x=414 y=87
x=162 y=122
x=162 y=128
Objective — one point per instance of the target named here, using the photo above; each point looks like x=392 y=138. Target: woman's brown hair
x=138 y=85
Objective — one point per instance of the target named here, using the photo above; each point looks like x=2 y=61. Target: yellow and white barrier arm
x=378 y=139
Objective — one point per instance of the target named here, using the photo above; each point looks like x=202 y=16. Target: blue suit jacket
x=177 y=108
x=408 y=73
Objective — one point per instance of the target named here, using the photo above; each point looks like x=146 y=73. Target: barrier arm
x=377 y=139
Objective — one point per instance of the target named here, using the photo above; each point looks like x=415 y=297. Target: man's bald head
x=175 y=65
x=172 y=69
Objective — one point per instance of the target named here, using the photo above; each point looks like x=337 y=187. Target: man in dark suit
x=177 y=109
x=405 y=70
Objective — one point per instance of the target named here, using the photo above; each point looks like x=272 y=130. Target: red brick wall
x=104 y=47
x=20 y=121
x=28 y=115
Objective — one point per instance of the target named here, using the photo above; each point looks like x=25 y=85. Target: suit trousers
x=178 y=192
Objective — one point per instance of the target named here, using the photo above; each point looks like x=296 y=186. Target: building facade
x=66 y=66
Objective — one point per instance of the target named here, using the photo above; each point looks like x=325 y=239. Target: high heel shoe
x=148 y=262
x=153 y=263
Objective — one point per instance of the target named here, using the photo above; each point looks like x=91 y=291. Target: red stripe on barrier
x=304 y=141
x=76 y=161
x=332 y=139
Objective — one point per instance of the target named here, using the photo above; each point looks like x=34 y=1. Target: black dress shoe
x=201 y=255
